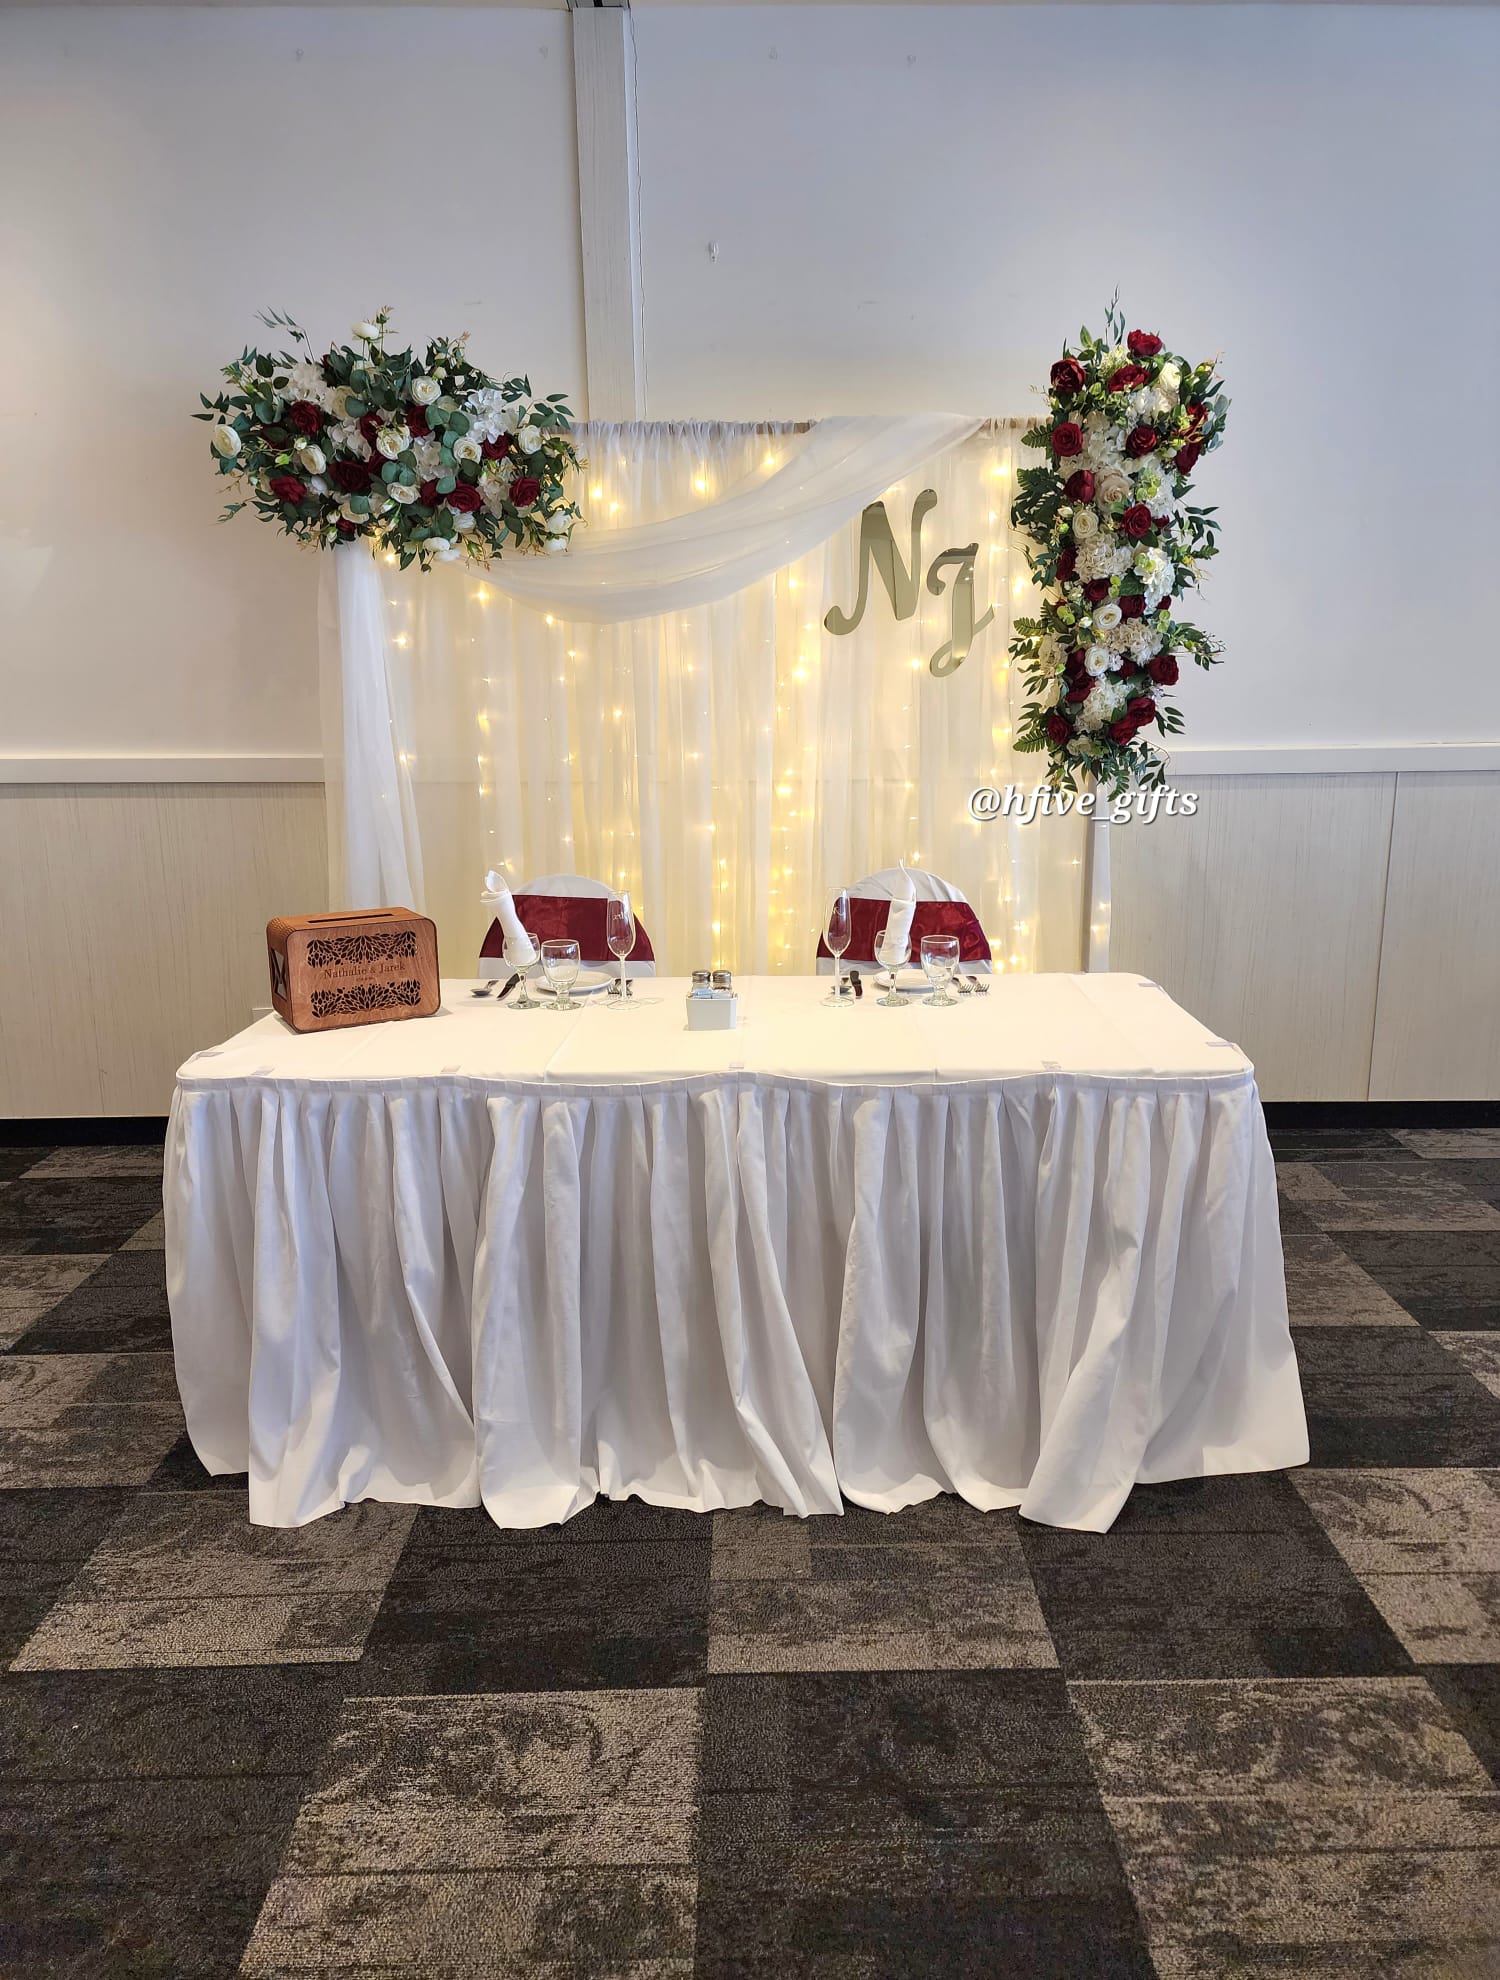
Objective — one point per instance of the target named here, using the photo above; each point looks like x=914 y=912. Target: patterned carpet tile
x=1252 y=1731
x=84 y=1420
x=913 y=1822
x=1319 y=1825
x=934 y=1589
x=1442 y=1278
x=1378 y=1396
x=539 y=1826
x=1242 y=1584
x=182 y=1579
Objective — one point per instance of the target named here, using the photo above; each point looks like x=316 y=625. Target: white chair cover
x=882 y=886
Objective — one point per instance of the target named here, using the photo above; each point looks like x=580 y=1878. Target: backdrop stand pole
x=1095 y=893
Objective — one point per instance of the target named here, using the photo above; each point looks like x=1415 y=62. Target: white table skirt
x=399 y=1272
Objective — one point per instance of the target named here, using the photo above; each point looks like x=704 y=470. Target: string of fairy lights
x=786 y=760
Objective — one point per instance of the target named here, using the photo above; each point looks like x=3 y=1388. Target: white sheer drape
x=729 y=761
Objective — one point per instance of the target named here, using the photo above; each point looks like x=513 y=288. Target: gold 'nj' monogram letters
x=877 y=547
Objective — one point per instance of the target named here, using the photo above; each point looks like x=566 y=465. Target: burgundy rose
x=369 y=426
x=1197 y=412
x=1058 y=729
x=1140 y=441
x=1079 y=486
x=1079 y=691
x=1067 y=439
x=287 y=488
x=1067 y=565
x=1074 y=666
x=466 y=499
x=1129 y=378
x=1142 y=344
x=351 y=477
x=416 y=422
x=498 y=448
x=1096 y=590
x=524 y=490
x=346 y=528
x=1122 y=731
x=1067 y=378
x=1133 y=607
x=1164 y=670
x=305 y=417
x=1187 y=457
x=1140 y=709
x=1136 y=521
x=427 y=493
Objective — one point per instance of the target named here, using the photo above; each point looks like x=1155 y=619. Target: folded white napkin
x=519 y=952
x=897 y=931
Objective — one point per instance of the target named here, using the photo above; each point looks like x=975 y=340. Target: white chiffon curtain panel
x=720 y=754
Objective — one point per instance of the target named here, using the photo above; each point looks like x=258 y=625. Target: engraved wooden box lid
x=364 y=967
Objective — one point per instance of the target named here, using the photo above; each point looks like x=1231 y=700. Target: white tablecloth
x=1025 y=1249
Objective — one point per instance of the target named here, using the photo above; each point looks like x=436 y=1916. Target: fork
x=978 y=984
x=963 y=989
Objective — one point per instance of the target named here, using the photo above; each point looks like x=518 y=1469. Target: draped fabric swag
x=662 y=708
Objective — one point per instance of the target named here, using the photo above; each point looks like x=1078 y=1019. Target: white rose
x=1085 y=525
x=392 y=440
x=528 y=439
x=1107 y=616
x=1098 y=660
x=554 y=544
x=349 y=512
x=312 y=458
x=1169 y=378
x=226 y=442
x=425 y=390
x=466 y=448
x=1051 y=694
x=318 y=485
x=559 y=522
x=448 y=555
x=462 y=522
x=439 y=543
x=366 y=333
x=1112 y=486
x=400 y=492
x=341 y=398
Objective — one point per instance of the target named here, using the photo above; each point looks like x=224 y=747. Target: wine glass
x=838 y=934
x=892 y=957
x=619 y=932
x=939 y=961
x=525 y=1001
x=560 y=963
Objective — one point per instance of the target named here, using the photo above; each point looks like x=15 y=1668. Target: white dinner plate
x=910 y=982
x=590 y=983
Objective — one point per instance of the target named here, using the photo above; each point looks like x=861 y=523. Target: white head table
x=1024 y=1249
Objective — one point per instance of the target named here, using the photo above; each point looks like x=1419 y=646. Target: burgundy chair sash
x=564 y=917
x=868 y=919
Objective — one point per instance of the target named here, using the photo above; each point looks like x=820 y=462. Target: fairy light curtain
x=728 y=762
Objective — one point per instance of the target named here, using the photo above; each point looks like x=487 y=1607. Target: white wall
x=912 y=205
x=168 y=172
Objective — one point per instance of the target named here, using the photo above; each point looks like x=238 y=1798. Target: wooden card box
x=362 y=968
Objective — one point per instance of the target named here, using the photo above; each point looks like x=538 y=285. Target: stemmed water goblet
x=892 y=958
x=525 y=1001
x=838 y=934
x=939 y=962
x=560 y=964
x=619 y=933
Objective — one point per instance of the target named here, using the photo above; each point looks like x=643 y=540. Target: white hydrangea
x=347 y=439
x=1140 y=639
x=489 y=415
x=306 y=381
x=1103 y=444
x=1105 y=700
x=429 y=455
x=1153 y=486
x=1154 y=569
x=1102 y=558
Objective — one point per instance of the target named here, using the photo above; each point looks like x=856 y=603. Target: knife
x=510 y=985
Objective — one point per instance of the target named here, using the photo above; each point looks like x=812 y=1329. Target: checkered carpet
x=1252 y=1731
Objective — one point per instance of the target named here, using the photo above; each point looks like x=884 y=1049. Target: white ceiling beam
x=609 y=210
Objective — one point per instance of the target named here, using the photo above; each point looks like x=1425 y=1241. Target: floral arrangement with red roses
x=427 y=458
x=1114 y=543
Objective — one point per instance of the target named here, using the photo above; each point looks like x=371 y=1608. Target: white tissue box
x=713 y=1013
